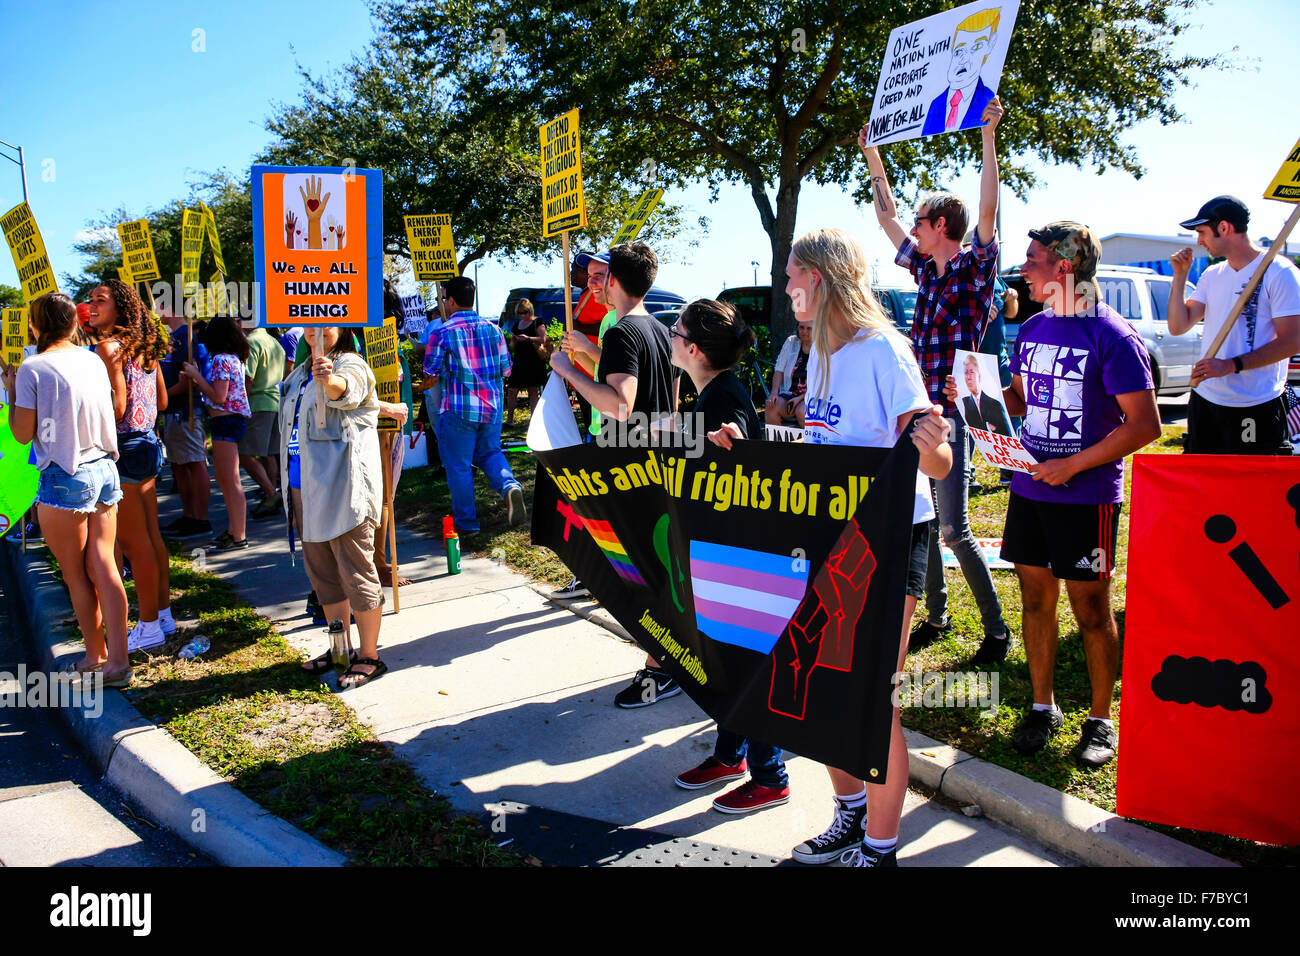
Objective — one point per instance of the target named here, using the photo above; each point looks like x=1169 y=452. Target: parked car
x=549 y=303
x=1141 y=296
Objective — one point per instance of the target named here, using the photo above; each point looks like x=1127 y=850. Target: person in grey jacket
x=336 y=486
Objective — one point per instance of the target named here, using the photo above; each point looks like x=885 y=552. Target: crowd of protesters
x=298 y=412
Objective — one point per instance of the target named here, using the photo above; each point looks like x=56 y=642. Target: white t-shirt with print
x=1278 y=293
x=873 y=380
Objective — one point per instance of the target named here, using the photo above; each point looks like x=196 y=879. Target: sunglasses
x=920 y=219
x=673 y=331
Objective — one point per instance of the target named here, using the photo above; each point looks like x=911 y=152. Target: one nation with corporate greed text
x=318 y=310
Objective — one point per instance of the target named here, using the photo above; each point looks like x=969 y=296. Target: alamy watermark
x=917 y=688
x=640 y=430
x=39 y=689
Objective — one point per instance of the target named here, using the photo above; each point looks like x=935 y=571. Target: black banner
x=769 y=580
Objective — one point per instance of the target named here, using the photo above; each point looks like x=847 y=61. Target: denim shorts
x=228 y=427
x=139 y=457
x=94 y=483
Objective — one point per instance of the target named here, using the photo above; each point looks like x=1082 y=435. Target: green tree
x=771 y=95
x=10 y=297
x=384 y=112
x=229 y=199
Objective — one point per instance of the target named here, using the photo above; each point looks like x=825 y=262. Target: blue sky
x=124 y=109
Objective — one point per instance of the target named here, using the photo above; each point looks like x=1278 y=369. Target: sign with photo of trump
x=940 y=73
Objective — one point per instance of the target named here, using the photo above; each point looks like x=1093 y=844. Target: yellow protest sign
x=213 y=239
x=30 y=258
x=137 y=250
x=1286 y=184
x=636 y=221
x=563 y=205
x=14 y=323
x=433 y=252
x=381 y=353
x=191 y=249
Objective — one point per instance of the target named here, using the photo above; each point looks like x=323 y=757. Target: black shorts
x=917 y=559
x=1225 y=430
x=1077 y=542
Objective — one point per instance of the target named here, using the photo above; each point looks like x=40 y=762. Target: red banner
x=1209 y=719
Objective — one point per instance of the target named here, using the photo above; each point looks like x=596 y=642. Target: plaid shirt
x=951 y=310
x=470 y=357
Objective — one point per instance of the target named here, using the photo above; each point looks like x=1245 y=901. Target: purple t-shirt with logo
x=1072 y=368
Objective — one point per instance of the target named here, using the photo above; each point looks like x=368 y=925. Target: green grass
x=248 y=711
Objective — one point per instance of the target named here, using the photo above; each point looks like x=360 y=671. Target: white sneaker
x=167 y=622
x=142 y=637
x=573 y=589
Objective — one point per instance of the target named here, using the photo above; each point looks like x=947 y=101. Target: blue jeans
x=95 y=483
x=765 y=763
x=464 y=446
x=953 y=522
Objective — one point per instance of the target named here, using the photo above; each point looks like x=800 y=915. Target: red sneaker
x=710 y=772
x=751 y=796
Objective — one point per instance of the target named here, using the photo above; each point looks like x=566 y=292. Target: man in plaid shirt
x=465 y=362
x=956 y=288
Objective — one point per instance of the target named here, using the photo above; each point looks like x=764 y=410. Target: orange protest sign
x=317 y=245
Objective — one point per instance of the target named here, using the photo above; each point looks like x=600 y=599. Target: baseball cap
x=1073 y=242
x=1227 y=209
x=583 y=258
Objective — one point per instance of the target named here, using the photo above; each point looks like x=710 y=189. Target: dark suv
x=548 y=303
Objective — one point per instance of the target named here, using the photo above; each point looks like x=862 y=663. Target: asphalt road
x=55 y=810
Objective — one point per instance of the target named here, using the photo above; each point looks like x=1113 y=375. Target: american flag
x=1293 y=412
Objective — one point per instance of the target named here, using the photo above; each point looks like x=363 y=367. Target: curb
x=147 y=763
x=1057 y=820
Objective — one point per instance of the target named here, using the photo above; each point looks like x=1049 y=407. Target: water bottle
x=453 y=553
x=448 y=527
x=194 y=648
x=340 y=646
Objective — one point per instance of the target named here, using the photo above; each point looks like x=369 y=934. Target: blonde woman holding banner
x=860 y=367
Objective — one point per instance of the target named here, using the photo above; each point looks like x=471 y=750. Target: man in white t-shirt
x=1237 y=406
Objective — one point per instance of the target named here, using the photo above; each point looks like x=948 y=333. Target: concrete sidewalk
x=502 y=701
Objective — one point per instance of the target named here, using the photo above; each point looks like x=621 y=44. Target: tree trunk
x=781 y=320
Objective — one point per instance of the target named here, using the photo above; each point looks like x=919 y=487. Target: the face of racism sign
x=979 y=402
x=941 y=72
x=317 y=245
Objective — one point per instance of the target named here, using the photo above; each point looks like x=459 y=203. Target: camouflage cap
x=1073 y=242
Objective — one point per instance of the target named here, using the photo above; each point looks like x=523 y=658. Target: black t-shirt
x=640 y=345
x=725 y=400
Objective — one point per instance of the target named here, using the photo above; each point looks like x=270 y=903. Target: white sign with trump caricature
x=941 y=72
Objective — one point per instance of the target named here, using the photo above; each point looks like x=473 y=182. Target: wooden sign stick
x=1278 y=245
x=568 y=286
x=189 y=390
x=386 y=454
x=320 y=386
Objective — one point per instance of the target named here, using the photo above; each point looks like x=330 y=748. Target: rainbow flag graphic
x=745 y=597
x=608 y=542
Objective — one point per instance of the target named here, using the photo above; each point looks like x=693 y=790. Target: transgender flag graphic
x=745 y=597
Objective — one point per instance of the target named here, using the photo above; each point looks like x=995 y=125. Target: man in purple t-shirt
x=1082 y=381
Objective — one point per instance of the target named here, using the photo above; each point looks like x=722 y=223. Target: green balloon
x=18 y=476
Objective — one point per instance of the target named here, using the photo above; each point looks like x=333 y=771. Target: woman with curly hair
x=132 y=344
x=226 y=396
x=65 y=391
